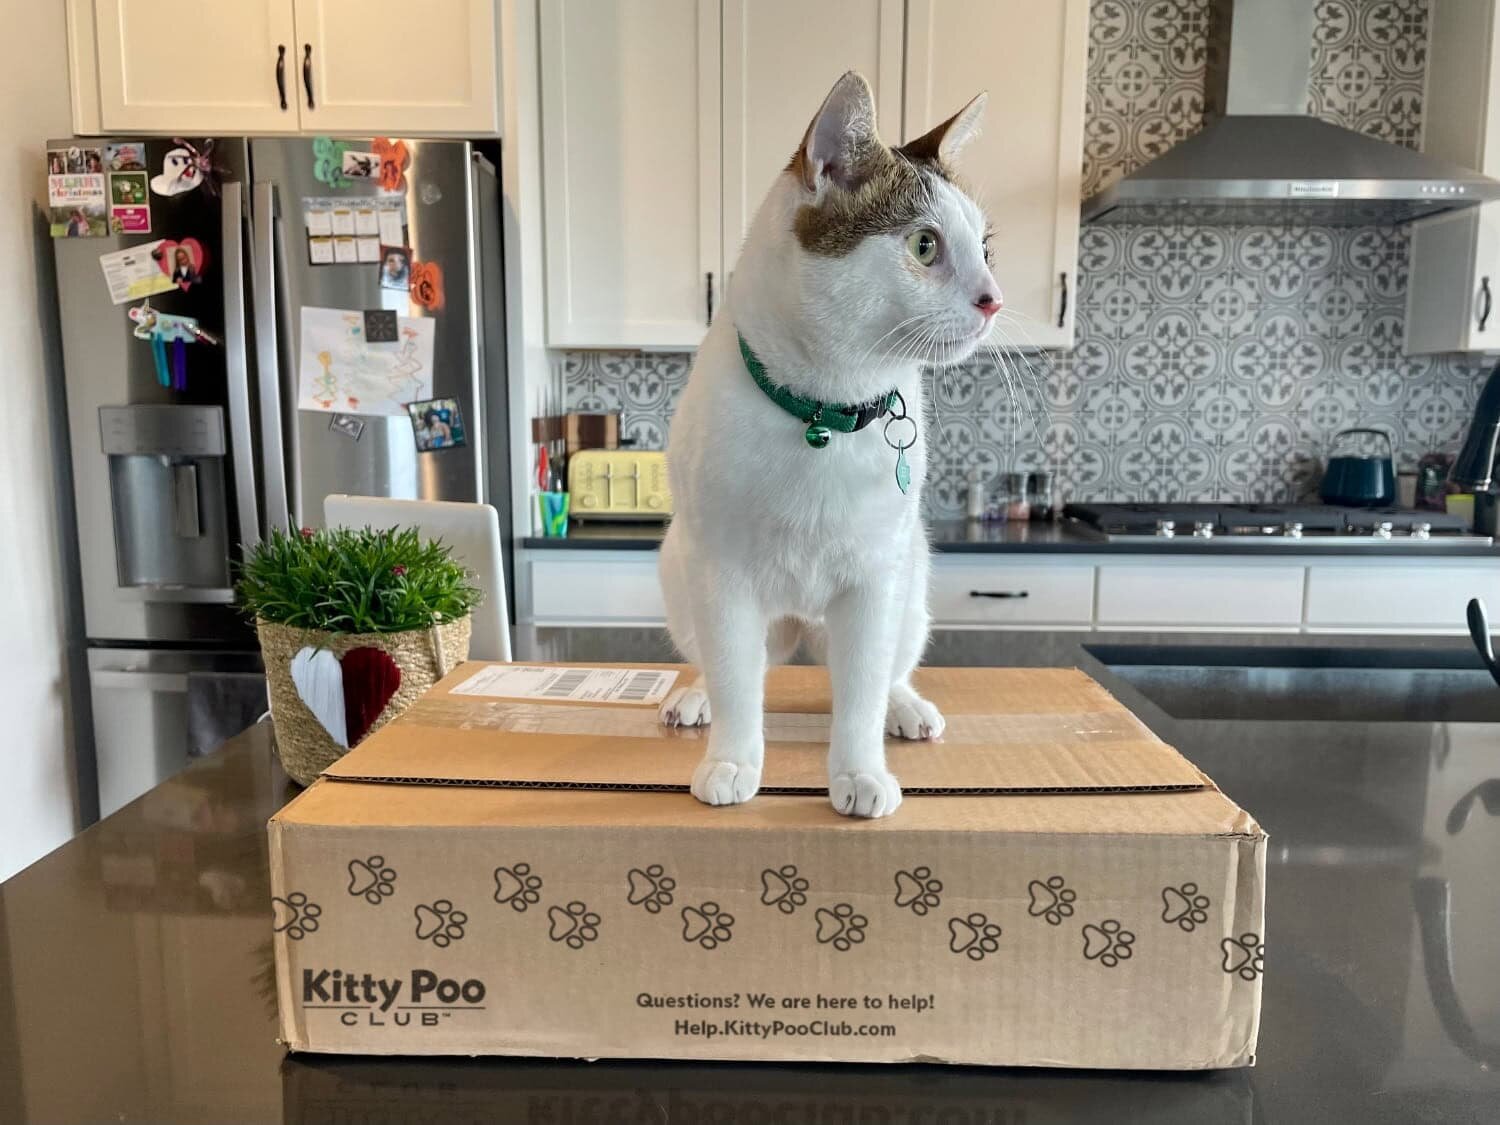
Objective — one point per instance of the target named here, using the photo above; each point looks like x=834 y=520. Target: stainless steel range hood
x=1263 y=156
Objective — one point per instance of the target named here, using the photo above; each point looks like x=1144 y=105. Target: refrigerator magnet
x=380 y=326
x=184 y=167
x=395 y=267
x=395 y=159
x=129 y=203
x=328 y=162
x=347 y=424
x=320 y=251
x=427 y=285
x=359 y=165
x=182 y=261
x=437 y=424
x=125 y=156
x=76 y=197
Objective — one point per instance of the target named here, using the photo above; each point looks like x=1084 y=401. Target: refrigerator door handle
x=237 y=363
x=268 y=362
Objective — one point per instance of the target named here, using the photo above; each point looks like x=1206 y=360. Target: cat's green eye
x=923 y=245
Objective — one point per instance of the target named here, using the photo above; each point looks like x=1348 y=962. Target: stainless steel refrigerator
x=183 y=453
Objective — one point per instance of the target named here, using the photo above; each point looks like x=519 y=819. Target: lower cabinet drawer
x=567 y=590
x=1397 y=597
x=1200 y=596
x=963 y=593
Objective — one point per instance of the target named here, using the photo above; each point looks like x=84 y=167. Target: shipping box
x=528 y=876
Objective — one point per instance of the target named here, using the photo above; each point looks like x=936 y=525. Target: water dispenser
x=166 y=484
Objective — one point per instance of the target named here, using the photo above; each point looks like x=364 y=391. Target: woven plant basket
x=304 y=746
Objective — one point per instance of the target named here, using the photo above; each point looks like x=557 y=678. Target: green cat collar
x=823 y=418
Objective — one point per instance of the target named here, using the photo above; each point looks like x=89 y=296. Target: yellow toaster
x=619 y=484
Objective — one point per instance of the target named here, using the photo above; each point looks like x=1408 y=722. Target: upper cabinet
x=776 y=77
x=630 y=166
x=194 y=67
x=1453 y=295
x=664 y=123
x=1026 y=163
x=391 y=66
x=285 y=66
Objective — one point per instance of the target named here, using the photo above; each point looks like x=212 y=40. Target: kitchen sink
x=1307 y=684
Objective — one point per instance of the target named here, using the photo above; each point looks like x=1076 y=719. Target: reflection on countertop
x=136 y=960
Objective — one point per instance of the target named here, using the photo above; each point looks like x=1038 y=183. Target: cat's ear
x=941 y=145
x=837 y=144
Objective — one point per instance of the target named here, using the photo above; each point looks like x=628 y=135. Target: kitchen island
x=137 y=958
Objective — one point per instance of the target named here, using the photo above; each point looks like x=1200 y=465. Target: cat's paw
x=908 y=715
x=864 y=793
x=685 y=707
x=717 y=782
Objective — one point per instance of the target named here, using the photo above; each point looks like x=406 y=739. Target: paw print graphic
x=918 y=891
x=840 y=926
x=707 y=925
x=1244 y=956
x=1052 y=900
x=294 y=915
x=783 y=888
x=975 y=936
x=575 y=925
x=517 y=887
x=1108 y=942
x=1185 y=906
x=651 y=888
x=440 y=923
x=371 y=880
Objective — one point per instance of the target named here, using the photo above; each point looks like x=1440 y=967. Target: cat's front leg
x=730 y=633
x=861 y=648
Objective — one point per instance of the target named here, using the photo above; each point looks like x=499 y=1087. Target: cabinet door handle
x=1486 y=301
x=1062 y=309
x=281 y=74
x=307 y=73
x=999 y=593
x=710 y=292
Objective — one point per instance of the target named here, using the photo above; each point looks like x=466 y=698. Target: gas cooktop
x=1281 y=524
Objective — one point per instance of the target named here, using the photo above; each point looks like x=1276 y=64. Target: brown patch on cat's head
x=889 y=193
x=859 y=187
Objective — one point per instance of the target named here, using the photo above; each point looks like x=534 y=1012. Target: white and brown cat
x=797 y=453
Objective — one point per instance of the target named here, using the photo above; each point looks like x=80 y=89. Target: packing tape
x=641 y=722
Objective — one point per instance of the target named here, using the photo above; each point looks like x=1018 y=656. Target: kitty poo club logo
x=421 y=999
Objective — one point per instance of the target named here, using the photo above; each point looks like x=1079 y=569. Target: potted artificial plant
x=354 y=625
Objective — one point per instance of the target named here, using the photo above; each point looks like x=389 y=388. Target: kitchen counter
x=137 y=973
x=1062 y=538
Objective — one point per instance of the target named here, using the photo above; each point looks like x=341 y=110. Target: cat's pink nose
x=988 y=303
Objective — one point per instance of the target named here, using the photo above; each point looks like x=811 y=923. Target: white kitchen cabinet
x=391 y=66
x=191 y=66
x=1035 y=593
x=285 y=66
x=781 y=57
x=1026 y=163
x=1453 y=297
x=630 y=167
x=1233 y=595
x=1391 y=598
x=597 y=589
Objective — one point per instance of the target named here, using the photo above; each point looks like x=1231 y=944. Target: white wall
x=36 y=764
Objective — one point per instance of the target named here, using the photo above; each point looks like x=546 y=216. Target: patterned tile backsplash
x=1211 y=363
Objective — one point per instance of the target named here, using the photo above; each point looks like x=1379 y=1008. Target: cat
x=863 y=264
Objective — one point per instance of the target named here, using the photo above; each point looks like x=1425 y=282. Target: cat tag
x=903 y=471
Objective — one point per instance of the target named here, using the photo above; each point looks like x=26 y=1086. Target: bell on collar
x=818 y=435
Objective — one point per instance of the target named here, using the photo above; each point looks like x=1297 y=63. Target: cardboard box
x=501 y=876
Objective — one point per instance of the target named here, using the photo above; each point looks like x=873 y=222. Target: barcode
x=565 y=685
x=639 y=686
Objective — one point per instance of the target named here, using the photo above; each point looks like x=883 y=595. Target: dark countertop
x=136 y=963
x=1062 y=538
